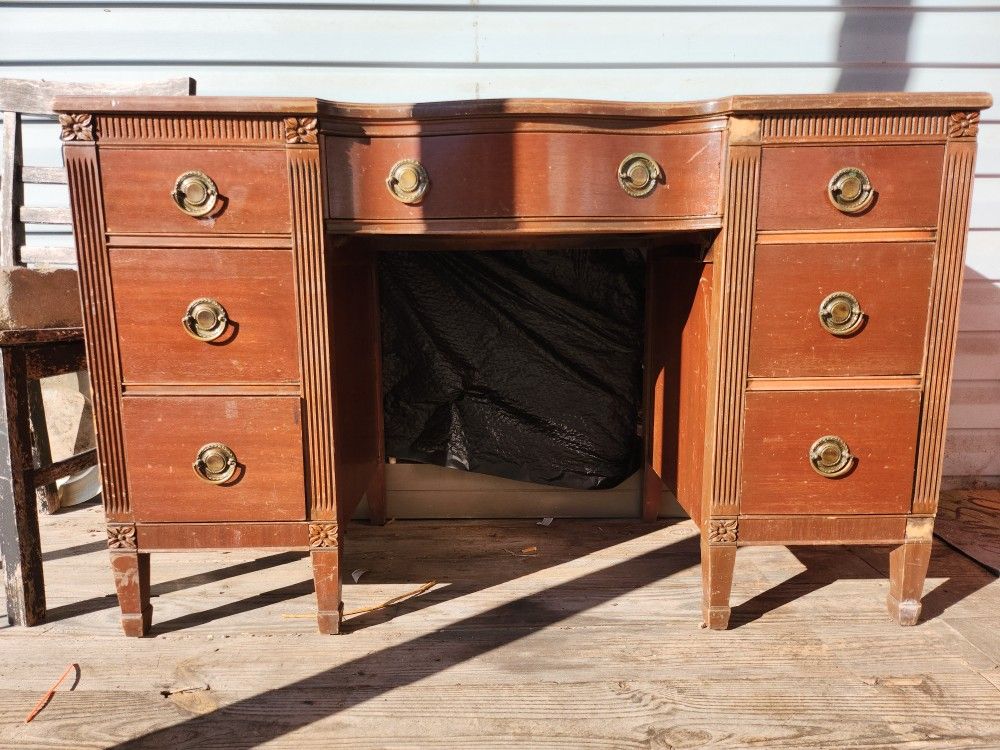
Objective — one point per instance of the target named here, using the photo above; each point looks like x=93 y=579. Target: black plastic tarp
x=520 y=364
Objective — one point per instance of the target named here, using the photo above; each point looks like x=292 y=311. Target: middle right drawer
x=839 y=309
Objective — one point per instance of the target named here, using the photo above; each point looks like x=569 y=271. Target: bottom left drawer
x=214 y=458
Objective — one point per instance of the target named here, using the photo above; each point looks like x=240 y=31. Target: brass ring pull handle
x=195 y=193
x=408 y=181
x=830 y=457
x=841 y=314
x=850 y=190
x=216 y=463
x=638 y=174
x=205 y=319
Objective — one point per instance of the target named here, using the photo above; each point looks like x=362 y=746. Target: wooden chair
x=40 y=334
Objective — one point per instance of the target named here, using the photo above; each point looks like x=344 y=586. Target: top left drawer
x=251 y=189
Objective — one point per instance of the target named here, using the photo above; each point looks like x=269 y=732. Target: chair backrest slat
x=43 y=175
x=35 y=97
x=27 y=97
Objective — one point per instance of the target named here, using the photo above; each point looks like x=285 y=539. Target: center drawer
x=525 y=175
x=180 y=449
x=205 y=316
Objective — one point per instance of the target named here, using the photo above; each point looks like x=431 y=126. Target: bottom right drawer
x=831 y=451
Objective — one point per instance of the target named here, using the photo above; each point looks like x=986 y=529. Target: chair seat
x=39 y=298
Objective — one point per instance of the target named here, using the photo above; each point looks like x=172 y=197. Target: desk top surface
x=733 y=105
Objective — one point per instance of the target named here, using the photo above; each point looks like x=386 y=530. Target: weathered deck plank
x=592 y=643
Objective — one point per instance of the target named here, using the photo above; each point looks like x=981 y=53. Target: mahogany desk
x=804 y=256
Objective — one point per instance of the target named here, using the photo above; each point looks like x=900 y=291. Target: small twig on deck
x=388 y=603
x=395 y=600
x=44 y=701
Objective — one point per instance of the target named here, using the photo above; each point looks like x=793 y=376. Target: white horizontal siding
x=407 y=50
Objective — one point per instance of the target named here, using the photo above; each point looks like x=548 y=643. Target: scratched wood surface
x=592 y=642
x=969 y=520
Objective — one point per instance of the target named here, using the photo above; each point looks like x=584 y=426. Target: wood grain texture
x=20 y=547
x=158 y=537
x=754 y=104
x=828 y=529
x=326 y=580
x=499 y=176
x=790 y=282
x=942 y=333
x=969 y=521
x=252 y=184
x=37 y=97
x=718 y=562
x=879 y=427
x=315 y=355
x=131 y=573
x=103 y=362
x=906 y=181
x=163 y=437
x=153 y=289
x=471 y=662
x=11 y=190
x=908 y=565
x=357 y=385
x=679 y=305
x=730 y=335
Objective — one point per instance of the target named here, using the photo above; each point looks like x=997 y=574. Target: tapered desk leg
x=131 y=571
x=907 y=570
x=326 y=576
x=717 y=564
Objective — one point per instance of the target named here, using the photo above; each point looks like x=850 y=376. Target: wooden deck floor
x=592 y=643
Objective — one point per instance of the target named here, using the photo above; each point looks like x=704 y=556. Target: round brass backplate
x=638 y=174
x=205 y=319
x=830 y=457
x=408 y=181
x=841 y=314
x=215 y=463
x=195 y=193
x=850 y=190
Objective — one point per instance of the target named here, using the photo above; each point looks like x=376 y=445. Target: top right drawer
x=850 y=187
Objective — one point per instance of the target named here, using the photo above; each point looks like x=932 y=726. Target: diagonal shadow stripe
x=87 y=606
x=264 y=717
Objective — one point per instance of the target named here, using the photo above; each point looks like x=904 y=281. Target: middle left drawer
x=197 y=316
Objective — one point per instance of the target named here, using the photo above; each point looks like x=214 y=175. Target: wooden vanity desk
x=804 y=263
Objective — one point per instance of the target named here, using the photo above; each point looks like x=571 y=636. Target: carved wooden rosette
x=303 y=130
x=963 y=124
x=122 y=537
x=942 y=333
x=313 y=324
x=734 y=274
x=723 y=531
x=99 y=319
x=78 y=127
x=323 y=535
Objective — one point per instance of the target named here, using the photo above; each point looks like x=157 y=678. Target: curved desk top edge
x=734 y=105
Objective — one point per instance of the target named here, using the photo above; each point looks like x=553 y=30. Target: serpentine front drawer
x=833 y=451
x=840 y=310
x=215 y=458
x=524 y=175
x=205 y=316
x=195 y=191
